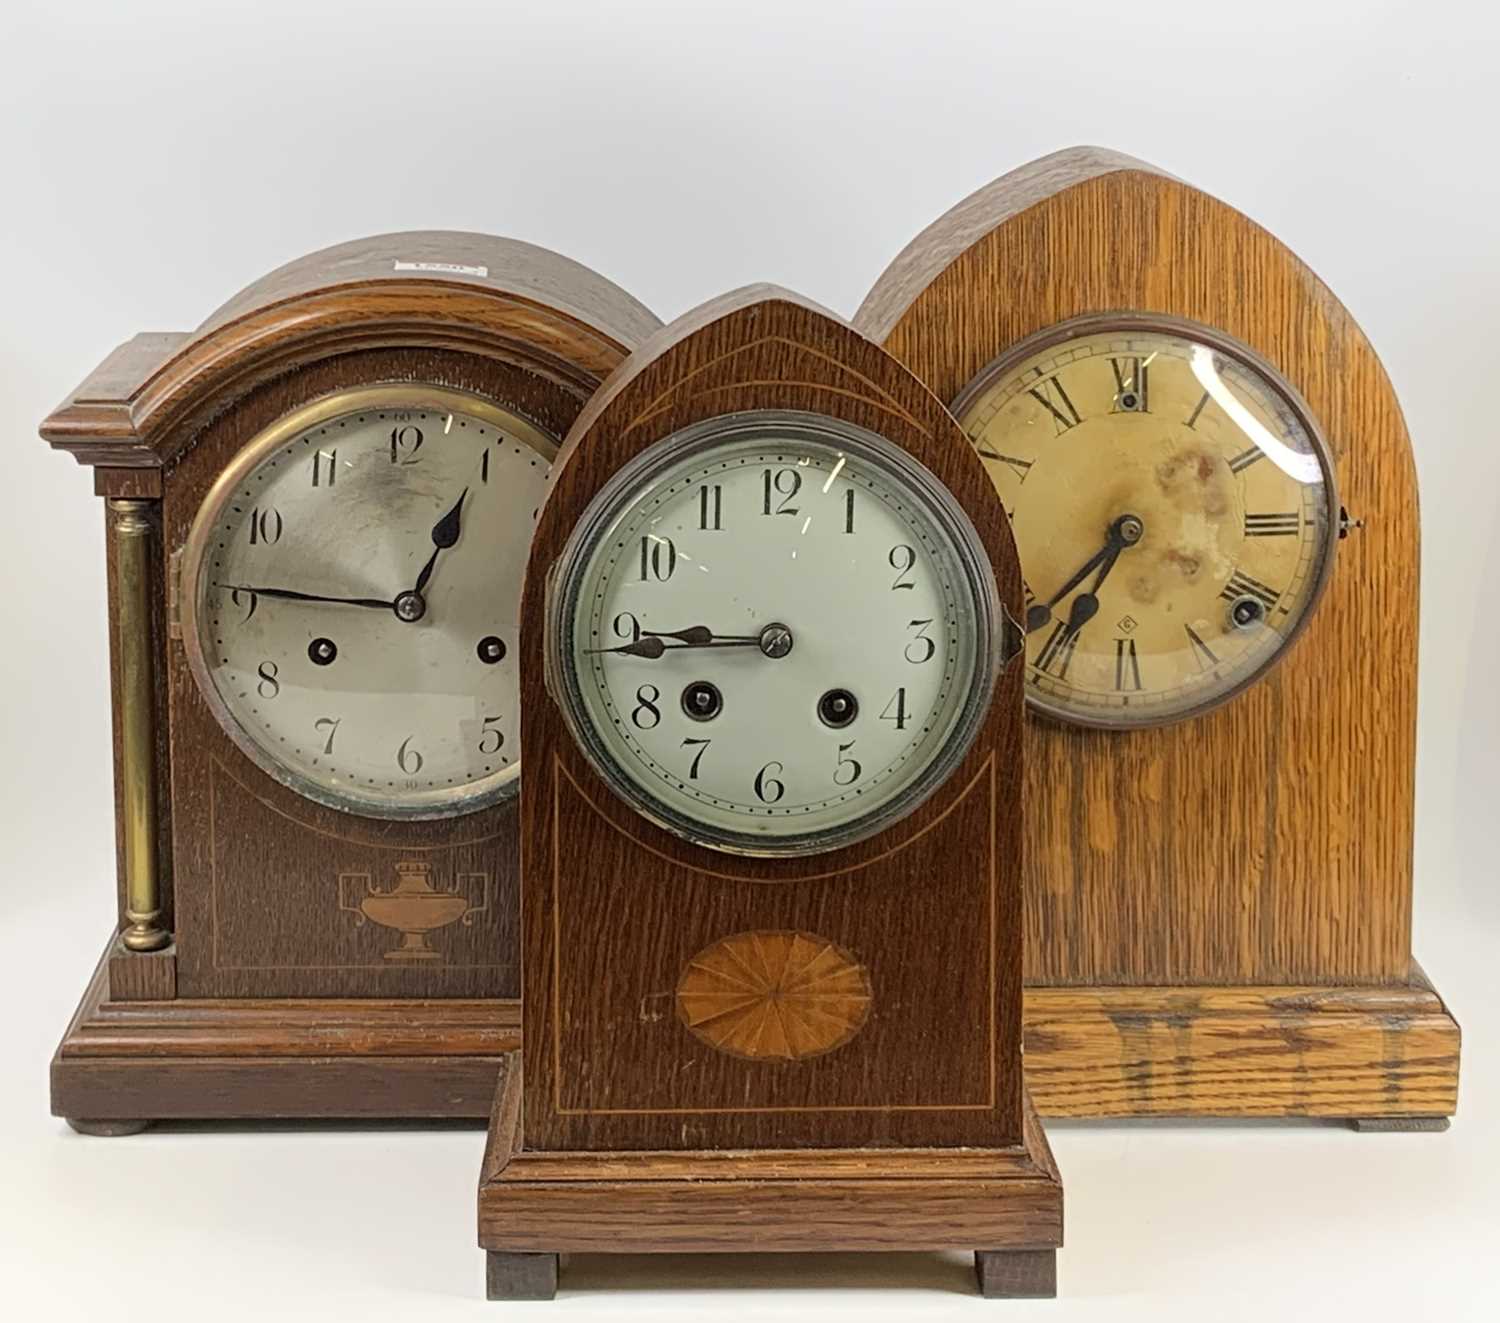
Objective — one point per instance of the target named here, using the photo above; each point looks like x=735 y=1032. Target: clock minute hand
x=292 y=596
x=1123 y=532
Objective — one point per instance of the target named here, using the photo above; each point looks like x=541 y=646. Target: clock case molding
x=238 y=984
x=1218 y=912
x=619 y=1130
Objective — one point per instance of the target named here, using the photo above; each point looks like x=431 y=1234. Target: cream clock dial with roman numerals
x=350 y=593
x=1173 y=503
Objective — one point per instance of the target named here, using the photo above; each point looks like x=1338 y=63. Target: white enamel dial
x=352 y=586
x=775 y=633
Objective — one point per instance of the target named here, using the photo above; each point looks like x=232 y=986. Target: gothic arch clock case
x=770 y=823
x=1215 y=504
x=318 y=507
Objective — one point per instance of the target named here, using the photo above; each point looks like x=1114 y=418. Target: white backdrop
x=155 y=157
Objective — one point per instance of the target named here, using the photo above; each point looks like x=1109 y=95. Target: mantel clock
x=318 y=509
x=770 y=831
x=1214 y=500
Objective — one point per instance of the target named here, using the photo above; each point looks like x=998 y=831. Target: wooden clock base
x=1004 y=1203
x=126 y=1061
x=1383 y=1058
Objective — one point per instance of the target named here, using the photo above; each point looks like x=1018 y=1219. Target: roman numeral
x=1242 y=585
x=1245 y=459
x=1271 y=525
x=1054 y=398
x=1057 y=651
x=1206 y=655
x=987 y=452
x=1197 y=409
x=1131 y=385
x=1127 y=665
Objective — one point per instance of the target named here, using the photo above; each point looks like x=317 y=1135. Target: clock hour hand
x=1125 y=532
x=444 y=534
x=700 y=636
x=774 y=640
x=292 y=596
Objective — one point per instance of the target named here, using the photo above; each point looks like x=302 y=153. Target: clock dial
x=1174 y=509
x=775 y=633
x=353 y=585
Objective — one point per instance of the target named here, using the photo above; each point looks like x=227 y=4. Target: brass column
x=131 y=530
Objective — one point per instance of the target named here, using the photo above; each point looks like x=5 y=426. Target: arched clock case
x=318 y=506
x=1215 y=505
x=770 y=824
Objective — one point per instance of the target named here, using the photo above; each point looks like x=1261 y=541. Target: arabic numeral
x=333 y=729
x=924 y=646
x=767 y=788
x=645 y=705
x=849 y=765
x=407 y=758
x=324 y=467
x=902 y=559
x=266 y=527
x=711 y=508
x=489 y=732
x=658 y=558
x=895 y=710
x=702 y=746
x=785 y=483
x=268 y=686
x=626 y=626
x=405 y=442
x=239 y=596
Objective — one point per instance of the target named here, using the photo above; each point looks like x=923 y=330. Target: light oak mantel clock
x=1214 y=500
x=770 y=824
x=318 y=507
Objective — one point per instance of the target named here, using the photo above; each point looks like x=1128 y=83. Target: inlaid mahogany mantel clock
x=770 y=824
x=1214 y=500
x=318 y=510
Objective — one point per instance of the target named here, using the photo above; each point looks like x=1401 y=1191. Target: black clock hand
x=444 y=534
x=1124 y=532
x=653 y=647
x=699 y=636
x=292 y=596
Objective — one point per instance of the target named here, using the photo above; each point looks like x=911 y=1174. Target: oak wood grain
x=1270 y=841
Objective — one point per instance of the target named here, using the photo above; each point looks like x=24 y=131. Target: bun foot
x=1016 y=1274
x=107 y=1129
x=519 y=1276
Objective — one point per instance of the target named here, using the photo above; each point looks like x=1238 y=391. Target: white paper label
x=449 y=268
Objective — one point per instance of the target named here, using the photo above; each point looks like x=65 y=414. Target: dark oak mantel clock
x=318 y=510
x=1214 y=499
x=770 y=824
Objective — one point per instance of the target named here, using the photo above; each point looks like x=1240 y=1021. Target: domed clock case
x=316 y=772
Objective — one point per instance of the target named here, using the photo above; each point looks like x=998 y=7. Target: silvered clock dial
x=350 y=590
x=774 y=633
x=1173 y=503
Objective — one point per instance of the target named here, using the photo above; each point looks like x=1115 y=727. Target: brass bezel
x=1098 y=323
x=413 y=395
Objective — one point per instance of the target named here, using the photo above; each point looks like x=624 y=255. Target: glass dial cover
x=1173 y=504
x=774 y=633
x=351 y=589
